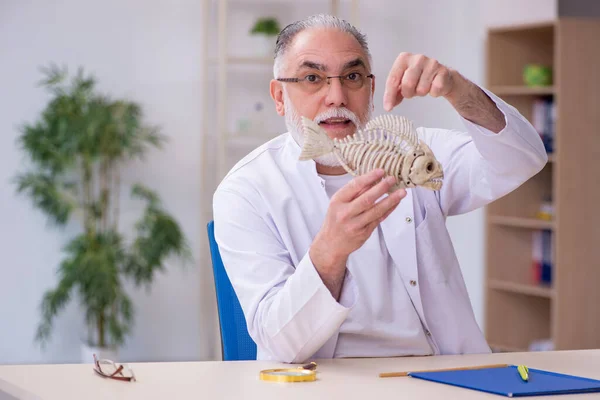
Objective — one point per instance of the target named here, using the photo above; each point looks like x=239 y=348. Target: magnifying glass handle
x=310 y=366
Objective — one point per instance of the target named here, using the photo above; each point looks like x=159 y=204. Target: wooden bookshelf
x=520 y=310
x=518 y=90
x=498 y=348
x=520 y=222
x=528 y=289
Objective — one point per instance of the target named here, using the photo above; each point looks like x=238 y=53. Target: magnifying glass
x=305 y=373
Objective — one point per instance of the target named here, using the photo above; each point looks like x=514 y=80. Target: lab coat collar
x=306 y=167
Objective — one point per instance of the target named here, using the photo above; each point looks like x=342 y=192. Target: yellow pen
x=524 y=372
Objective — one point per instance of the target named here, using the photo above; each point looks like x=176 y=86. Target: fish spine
x=375 y=150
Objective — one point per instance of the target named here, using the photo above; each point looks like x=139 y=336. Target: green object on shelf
x=268 y=26
x=537 y=75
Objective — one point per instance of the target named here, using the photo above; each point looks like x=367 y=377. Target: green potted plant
x=77 y=150
x=265 y=31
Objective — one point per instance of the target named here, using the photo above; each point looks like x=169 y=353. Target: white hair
x=287 y=35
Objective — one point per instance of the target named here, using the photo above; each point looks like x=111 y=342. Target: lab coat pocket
x=434 y=248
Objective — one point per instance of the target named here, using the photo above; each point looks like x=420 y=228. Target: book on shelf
x=543 y=119
x=542 y=264
x=541 y=345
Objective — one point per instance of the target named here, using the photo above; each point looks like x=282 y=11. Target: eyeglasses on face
x=314 y=82
x=111 y=370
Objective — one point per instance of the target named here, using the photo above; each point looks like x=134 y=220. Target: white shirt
x=270 y=206
x=391 y=315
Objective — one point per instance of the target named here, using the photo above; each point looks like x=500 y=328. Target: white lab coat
x=270 y=206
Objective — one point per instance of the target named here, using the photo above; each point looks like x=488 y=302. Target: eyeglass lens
x=314 y=82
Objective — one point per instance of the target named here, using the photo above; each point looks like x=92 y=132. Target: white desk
x=337 y=379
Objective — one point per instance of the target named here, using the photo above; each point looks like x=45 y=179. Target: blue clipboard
x=506 y=381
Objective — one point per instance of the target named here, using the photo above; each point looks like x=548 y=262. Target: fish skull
x=426 y=171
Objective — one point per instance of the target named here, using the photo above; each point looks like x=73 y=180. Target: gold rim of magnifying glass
x=305 y=373
x=300 y=375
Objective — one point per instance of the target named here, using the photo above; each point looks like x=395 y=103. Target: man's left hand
x=416 y=75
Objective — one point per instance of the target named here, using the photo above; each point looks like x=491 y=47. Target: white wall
x=150 y=50
x=508 y=12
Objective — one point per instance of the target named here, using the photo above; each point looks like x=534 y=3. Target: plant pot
x=87 y=353
x=263 y=45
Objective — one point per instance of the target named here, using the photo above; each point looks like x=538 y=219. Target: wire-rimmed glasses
x=313 y=82
x=109 y=369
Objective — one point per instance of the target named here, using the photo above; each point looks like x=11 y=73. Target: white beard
x=294 y=124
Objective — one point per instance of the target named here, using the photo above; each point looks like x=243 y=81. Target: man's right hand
x=352 y=216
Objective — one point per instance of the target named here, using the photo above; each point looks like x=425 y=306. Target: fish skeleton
x=388 y=142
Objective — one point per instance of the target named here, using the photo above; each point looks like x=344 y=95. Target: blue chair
x=235 y=341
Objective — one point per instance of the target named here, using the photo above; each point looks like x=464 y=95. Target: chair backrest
x=235 y=340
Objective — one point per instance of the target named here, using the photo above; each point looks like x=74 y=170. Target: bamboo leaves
x=78 y=148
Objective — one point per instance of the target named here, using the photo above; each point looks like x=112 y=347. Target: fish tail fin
x=316 y=141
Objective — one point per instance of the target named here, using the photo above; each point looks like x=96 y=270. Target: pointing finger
x=392 y=96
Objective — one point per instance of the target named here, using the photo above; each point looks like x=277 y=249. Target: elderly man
x=325 y=265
